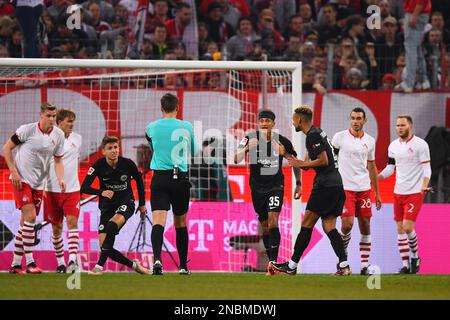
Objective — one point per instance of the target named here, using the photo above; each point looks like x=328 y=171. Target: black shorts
x=267 y=201
x=326 y=202
x=127 y=210
x=166 y=191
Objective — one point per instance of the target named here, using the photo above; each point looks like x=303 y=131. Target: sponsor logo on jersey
x=90 y=171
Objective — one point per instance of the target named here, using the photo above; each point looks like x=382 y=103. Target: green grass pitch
x=225 y=286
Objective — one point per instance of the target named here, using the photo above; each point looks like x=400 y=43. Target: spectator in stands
x=292 y=51
x=319 y=63
x=147 y=50
x=218 y=30
x=284 y=9
x=105 y=11
x=6 y=8
x=295 y=28
x=59 y=8
x=437 y=23
x=122 y=11
x=266 y=26
x=355 y=30
x=6 y=28
x=389 y=46
x=118 y=27
x=177 y=25
x=307 y=52
x=160 y=16
x=329 y=30
x=93 y=11
x=203 y=38
x=159 y=42
x=373 y=71
x=180 y=51
x=321 y=79
x=385 y=9
x=309 y=83
x=388 y=82
x=445 y=72
x=416 y=17
x=230 y=14
x=354 y=79
x=307 y=16
x=4 y=52
x=15 y=43
x=28 y=14
x=212 y=52
x=400 y=65
x=241 y=44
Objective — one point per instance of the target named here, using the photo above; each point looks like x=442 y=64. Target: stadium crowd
x=331 y=37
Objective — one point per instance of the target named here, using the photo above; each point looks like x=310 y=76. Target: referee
x=172 y=143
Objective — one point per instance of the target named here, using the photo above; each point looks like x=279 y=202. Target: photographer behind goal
x=172 y=142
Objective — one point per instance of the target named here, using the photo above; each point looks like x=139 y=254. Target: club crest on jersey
x=25 y=198
x=410 y=150
x=90 y=171
x=124 y=177
x=365 y=146
x=53 y=142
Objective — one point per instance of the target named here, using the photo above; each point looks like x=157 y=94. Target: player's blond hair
x=64 y=113
x=47 y=106
x=304 y=111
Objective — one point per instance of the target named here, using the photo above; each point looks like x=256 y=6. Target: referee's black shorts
x=167 y=191
x=326 y=202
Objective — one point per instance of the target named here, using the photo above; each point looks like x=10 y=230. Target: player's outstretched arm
x=7 y=154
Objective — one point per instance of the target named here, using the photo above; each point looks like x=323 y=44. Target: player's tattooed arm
x=245 y=146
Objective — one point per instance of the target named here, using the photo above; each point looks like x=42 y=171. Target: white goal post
x=148 y=75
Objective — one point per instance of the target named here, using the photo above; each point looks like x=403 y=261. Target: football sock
x=157 y=240
x=108 y=250
x=18 y=248
x=182 y=245
x=346 y=239
x=403 y=248
x=28 y=241
x=274 y=240
x=303 y=238
x=266 y=241
x=58 y=244
x=413 y=245
x=337 y=244
x=364 y=250
x=73 y=244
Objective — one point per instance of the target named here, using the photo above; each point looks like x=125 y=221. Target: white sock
x=346 y=240
x=18 y=248
x=73 y=241
x=28 y=241
x=292 y=264
x=413 y=244
x=364 y=250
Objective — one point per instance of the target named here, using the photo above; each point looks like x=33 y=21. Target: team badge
x=91 y=171
x=25 y=198
x=124 y=177
x=101 y=227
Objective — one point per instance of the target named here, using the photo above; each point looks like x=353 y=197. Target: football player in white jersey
x=34 y=144
x=58 y=205
x=409 y=155
x=356 y=158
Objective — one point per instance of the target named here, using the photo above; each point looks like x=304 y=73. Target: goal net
x=220 y=99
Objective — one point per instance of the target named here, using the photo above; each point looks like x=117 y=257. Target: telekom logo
x=205 y=229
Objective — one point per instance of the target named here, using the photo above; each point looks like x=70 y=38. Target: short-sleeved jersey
x=34 y=151
x=71 y=158
x=316 y=142
x=115 y=179
x=353 y=154
x=265 y=162
x=408 y=157
x=172 y=142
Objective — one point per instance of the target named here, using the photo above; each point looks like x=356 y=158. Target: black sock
x=182 y=245
x=274 y=237
x=301 y=243
x=266 y=242
x=337 y=244
x=157 y=240
x=108 y=250
x=117 y=256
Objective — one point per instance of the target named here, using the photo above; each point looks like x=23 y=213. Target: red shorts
x=407 y=206
x=57 y=205
x=357 y=204
x=27 y=195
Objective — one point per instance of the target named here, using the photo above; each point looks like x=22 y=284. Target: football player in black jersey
x=327 y=196
x=116 y=202
x=267 y=150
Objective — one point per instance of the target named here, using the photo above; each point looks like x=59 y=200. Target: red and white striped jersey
x=352 y=159
x=72 y=146
x=32 y=156
x=409 y=158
